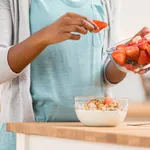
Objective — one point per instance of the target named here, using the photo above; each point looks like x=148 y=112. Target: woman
x=42 y=73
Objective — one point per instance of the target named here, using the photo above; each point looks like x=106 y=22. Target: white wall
x=134 y=16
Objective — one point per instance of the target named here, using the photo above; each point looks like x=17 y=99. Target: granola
x=106 y=104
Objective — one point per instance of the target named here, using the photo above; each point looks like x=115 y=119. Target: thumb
x=145 y=31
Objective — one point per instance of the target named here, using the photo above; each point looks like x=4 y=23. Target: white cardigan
x=16 y=99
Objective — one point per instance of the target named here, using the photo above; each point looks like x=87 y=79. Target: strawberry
x=131 y=67
x=121 y=47
x=143 y=58
x=130 y=44
x=100 y=24
x=148 y=48
x=132 y=52
x=148 y=59
x=108 y=102
x=142 y=44
x=143 y=39
x=136 y=40
x=119 y=57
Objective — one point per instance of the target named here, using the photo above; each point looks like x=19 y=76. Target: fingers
x=79 y=22
x=145 y=31
x=69 y=36
x=143 y=71
x=76 y=19
x=75 y=28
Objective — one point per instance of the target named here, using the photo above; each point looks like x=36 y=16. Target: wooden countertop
x=123 y=134
x=139 y=110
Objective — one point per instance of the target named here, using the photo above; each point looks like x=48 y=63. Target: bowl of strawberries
x=131 y=55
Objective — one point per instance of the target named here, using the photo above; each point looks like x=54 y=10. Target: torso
x=67 y=69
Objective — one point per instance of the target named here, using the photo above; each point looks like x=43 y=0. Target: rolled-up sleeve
x=6 y=34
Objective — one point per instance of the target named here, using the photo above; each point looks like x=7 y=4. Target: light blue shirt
x=67 y=69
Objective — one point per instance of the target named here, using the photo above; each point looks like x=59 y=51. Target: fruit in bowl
x=132 y=55
x=98 y=111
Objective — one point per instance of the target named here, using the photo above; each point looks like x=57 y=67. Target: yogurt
x=101 y=118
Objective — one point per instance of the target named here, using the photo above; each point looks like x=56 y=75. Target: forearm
x=24 y=53
x=113 y=74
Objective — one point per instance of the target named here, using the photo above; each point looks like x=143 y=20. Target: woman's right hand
x=62 y=28
x=24 y=53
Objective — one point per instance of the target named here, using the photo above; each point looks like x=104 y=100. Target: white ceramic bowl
x=99 y=118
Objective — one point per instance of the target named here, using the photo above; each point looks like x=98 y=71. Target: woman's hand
x=113 y=74
x=145 y=31
x=24 y=53
x=62 y=28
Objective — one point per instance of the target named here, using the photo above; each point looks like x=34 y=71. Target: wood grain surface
x=123 y=134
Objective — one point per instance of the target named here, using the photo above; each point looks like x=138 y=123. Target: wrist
x=42 y=37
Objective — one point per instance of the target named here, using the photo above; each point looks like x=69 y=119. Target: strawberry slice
x=121 y=47
x=136 y=40
x=143 y=39
x=143 y=58
x=131 y=67
x=132 y=52
x=108 y=102
x=119 y=57
x=148 y=48
x=148 y=59
x=142 y=44
x=100 y=24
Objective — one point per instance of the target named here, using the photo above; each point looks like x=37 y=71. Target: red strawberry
x=131 y=67
x=133 y=52
x=143 y=39
x=148 y=48
x=108 y=102
x=121 y=47
x=130 y=44
x=119 y=57
x=100 y=24
x=142 y=44
x=143 y=58
x=136 y=40
x=148 y=59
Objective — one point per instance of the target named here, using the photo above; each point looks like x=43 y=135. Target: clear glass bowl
x=113 y=47
x=101 y=118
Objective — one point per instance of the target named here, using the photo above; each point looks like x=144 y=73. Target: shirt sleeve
x=112 y=11
x=6 y=33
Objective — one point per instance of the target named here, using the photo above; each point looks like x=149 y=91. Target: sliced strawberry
x=100 y=24
x=148 y=59
x=143 y=58
x=131 y=67
x=143 y=39
x=133 y=52
x=121 y=47
x=148 y=48
x=108 y=102
x=142 y=44
x=119 y=57
x=130 y=44
x=136 y=40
